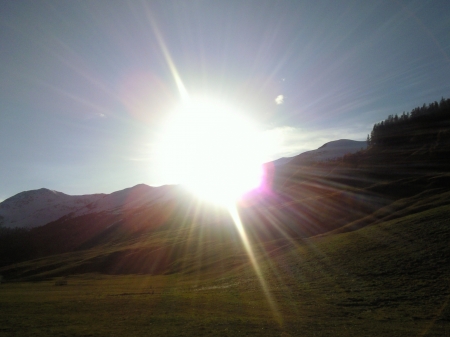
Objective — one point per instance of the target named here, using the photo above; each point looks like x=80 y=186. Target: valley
x=349 y=246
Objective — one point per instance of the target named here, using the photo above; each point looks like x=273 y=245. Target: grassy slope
x=380 y=266
x=383 y=280
x=305 y=201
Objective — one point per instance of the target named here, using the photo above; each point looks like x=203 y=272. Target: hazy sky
x=84 y=85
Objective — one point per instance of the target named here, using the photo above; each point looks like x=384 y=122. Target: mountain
x=184 y=236
x=38 y=207
x=357 y=246
x=328 y=151
x=331 y=150
x=281 y=161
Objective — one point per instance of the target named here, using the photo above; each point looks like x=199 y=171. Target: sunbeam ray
x=251 y=255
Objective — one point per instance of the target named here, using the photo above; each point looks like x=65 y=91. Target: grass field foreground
x=390 y=279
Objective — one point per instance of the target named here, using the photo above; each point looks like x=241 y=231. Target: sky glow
x=212 y=149
x=86 y=87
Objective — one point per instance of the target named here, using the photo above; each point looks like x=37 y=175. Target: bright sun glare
x=212 y=149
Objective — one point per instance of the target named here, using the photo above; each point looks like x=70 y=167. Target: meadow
x=388 y=279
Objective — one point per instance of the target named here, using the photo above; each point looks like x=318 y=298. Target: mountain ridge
x=36 y=208
x=353 y=246
x=328 y=151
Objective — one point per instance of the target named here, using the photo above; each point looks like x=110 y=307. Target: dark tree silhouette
x=422 y=124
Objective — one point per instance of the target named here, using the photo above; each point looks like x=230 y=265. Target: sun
x=212 y=149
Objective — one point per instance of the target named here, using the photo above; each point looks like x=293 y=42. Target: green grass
x=388 y=279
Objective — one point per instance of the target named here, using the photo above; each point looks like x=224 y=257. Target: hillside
x=346 y=247
x=328 y=151
x=331 y=150
x=385 y=279
x=36 y=208
x=302 y=199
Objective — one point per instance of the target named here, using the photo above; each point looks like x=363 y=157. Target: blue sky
x=85 y=85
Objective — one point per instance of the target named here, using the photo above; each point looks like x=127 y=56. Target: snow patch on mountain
x=38 y=207
x=129 y=198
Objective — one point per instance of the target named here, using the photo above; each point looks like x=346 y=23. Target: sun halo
x=213 y=150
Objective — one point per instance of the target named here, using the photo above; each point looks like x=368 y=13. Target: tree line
x=421 y=124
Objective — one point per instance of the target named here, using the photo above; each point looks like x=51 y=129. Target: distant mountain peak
x=36 y=208
x=32 y=194
x=342 y=143
x=330 y=150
